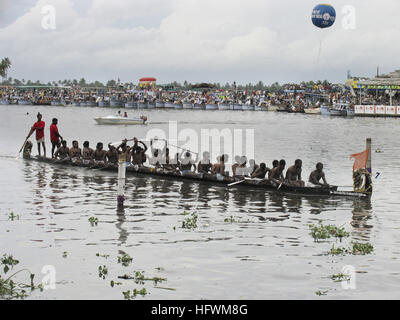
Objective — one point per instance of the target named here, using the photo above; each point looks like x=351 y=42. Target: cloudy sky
x=197 y=40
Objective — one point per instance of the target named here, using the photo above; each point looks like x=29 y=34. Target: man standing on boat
x=54 y=137
x=39 y=128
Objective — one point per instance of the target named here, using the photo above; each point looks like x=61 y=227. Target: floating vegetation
x=340 y=277
x=190 y=222
x=113 y=283
x=356 y=249
x=125 y=259
x=231 y=220
x=106 y=256
x=103 y=272
x=321 y=293
x=12 y=216
x=9 y=289
x=135 y=292
x=139 y=278
x=322 y=232
x=65 y=254
x=362 y=248
x=93 y=221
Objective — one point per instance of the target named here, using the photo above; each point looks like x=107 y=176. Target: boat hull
x=224 y=106
x=160 y=104
x=117 y=104
x=187 y=105
x=199 y=106
x=104 y=104
x=131 y=105
x=119 y=121
x=207 y=178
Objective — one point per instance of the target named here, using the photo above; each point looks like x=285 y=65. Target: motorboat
x=118 y=120
x=312 y=110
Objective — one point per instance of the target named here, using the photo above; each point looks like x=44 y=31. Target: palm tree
x=5 y=64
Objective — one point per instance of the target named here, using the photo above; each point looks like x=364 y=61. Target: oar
x=23 y=145
x=236 y=183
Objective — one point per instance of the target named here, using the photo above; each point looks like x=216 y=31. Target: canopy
x=148 y=80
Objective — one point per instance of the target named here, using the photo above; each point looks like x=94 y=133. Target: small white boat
x=117 y=120
x=312 y=110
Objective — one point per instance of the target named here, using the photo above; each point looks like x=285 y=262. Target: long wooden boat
x=213 y=179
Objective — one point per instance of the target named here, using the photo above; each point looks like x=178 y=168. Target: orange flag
x=361 y=160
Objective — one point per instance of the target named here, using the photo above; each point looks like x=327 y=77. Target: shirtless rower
x=316 y=176
x=112 y=155
x=99 y=155
x=186 y=163
x=157 y=155
x=62 y=153
x=87 y=153
x=277 y=173
x=204 y=165
x=75 y=153
x=126 y=150
x=275 y=164
x=219 y=168
x=138 y=153
x=261 y=172
x=293 y=174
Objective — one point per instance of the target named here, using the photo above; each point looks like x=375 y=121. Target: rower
x=87 y=153
x=186 y=163
x=204 y=165
x=112 y=155
x=99 y=155
x=75 y=152
x=316 y=176
x=242 y=169
x=277 y=173
x=39 y=128
x=275 y=164
x=138 y=153
x=157 y=155
x=62 y=153
x=293 y=174
x=260 y=172
x=123 y=148
x=219 y=168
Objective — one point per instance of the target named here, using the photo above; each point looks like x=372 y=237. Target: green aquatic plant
x=135 y=292
x=338 y=251
x=106 y=256
x=93 y=221
x=65 y=254
x=321 y=293
x=340 y=277
x=190 y=222
x=12 y=216
x=113 y=283
x=361 y=248
x=103 y=272
x=321 y=232
x=140 y=278
x=125 y=259
x=9 y=289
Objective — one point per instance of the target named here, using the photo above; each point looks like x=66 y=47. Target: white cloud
x=199 y=40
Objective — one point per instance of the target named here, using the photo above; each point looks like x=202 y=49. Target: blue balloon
x=323 y=16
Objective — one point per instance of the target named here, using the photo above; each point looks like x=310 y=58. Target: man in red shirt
x=54 y=136
x=39 y=128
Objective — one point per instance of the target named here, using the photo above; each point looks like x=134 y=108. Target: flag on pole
x=361 y=160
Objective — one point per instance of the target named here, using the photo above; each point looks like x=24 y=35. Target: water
x=265 y=253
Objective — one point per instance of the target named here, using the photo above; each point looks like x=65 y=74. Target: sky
x=197 y=40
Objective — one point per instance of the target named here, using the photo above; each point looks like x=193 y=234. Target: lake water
x=263 y=251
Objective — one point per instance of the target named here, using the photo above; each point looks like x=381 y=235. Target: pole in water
x=369 y=162
x=121 y=181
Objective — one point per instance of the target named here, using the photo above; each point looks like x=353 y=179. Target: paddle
x=236 y=183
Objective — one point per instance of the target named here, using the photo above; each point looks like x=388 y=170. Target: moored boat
x=117 y=104
x=211 y=106
x=131 y=105
x=151 y=105
x=160 y=104
x=178 y=105
x=4 y=101
x=199 y=106
x=24 y=102
x=142 y=105
x=237 y=107
x=104 y=104
x=187 y=105
x=169 y=105
x=312 y=110
x=247 y=107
